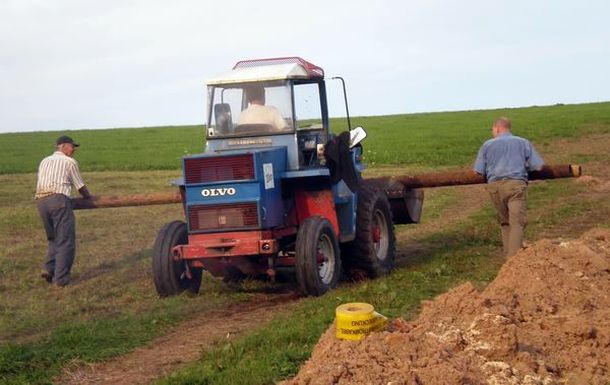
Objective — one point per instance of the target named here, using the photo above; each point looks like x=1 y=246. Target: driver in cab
x=258 y=113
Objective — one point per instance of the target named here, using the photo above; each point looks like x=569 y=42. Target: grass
x=147 y=148
x=113 y=307
x=36 y=362
x=440 y=139
x=448 y=139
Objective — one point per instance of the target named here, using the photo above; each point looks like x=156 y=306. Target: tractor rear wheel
x=373 y=248
x=318 y=262
x=173 y=277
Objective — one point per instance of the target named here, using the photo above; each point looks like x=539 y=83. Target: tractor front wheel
x=173 y=277
x=318 y=262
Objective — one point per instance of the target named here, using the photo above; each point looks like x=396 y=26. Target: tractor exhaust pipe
x=349 y=123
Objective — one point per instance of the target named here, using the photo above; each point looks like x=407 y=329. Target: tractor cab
x=269 y=103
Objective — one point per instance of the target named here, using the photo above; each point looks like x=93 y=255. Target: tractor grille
x=224 y=216
x=219 y=169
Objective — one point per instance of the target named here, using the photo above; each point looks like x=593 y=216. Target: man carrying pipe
x=57 y=174
x=505 y=161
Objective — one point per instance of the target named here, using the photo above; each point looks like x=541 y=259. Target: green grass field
x=113 y=307
x=442 y=139
x=121 y=149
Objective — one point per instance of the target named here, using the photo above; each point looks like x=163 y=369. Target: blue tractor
x=276 y=189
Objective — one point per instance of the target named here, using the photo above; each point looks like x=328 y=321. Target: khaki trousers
x=509 y=197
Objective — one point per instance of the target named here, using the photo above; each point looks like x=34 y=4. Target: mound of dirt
x=597 y=184
x=544 y=320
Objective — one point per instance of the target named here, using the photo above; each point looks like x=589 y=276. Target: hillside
x=441 y=139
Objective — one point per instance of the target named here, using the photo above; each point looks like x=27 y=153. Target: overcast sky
x=77 y=64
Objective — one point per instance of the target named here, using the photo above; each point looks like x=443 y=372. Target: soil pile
x=544 y=320
x=596 y=184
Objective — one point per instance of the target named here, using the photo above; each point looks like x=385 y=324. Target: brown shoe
x=47 y=276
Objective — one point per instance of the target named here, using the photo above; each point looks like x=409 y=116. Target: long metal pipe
x=126 y=200
x=466 y=177
x=435 y=179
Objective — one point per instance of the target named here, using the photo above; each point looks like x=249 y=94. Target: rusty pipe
x=126 y=200
x=394 y=185
x=467 y=177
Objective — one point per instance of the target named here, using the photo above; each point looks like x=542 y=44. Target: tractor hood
x=235 y=190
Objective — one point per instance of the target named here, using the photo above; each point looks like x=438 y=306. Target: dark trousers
x=58 y=220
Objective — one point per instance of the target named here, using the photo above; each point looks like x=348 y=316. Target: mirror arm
x=349 y=123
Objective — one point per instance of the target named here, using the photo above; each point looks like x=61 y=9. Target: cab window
x=307 y=107
x=250 y=109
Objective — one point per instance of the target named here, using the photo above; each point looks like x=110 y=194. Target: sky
x=83 y=64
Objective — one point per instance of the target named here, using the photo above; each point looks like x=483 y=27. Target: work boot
x=57 y=287
x=47 y=276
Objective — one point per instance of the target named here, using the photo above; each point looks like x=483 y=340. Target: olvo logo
x=218 y=192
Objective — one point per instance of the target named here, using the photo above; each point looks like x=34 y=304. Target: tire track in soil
x=411 y=246
x=182 y=345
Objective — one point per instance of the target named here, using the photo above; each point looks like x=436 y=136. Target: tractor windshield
x=252 y=109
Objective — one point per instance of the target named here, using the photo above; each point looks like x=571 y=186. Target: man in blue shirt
x=505 y=161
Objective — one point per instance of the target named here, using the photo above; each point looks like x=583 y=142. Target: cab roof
x=257 y=70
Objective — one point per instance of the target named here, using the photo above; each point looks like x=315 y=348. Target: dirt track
x=179 y=347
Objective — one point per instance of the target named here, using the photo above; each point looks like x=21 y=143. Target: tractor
x=278 y=192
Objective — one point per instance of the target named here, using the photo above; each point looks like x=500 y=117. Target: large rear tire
x=172 y=277
x=318 y=261
x=373 y=249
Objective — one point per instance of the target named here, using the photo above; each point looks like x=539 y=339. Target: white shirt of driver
x=257 y=114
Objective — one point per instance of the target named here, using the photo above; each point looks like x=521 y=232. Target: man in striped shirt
x=57 y=174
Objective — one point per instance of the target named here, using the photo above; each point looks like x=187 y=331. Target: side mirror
x=356 y=136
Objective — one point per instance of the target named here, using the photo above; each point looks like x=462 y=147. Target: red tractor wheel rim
x=325 y=257
x=380 y=235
